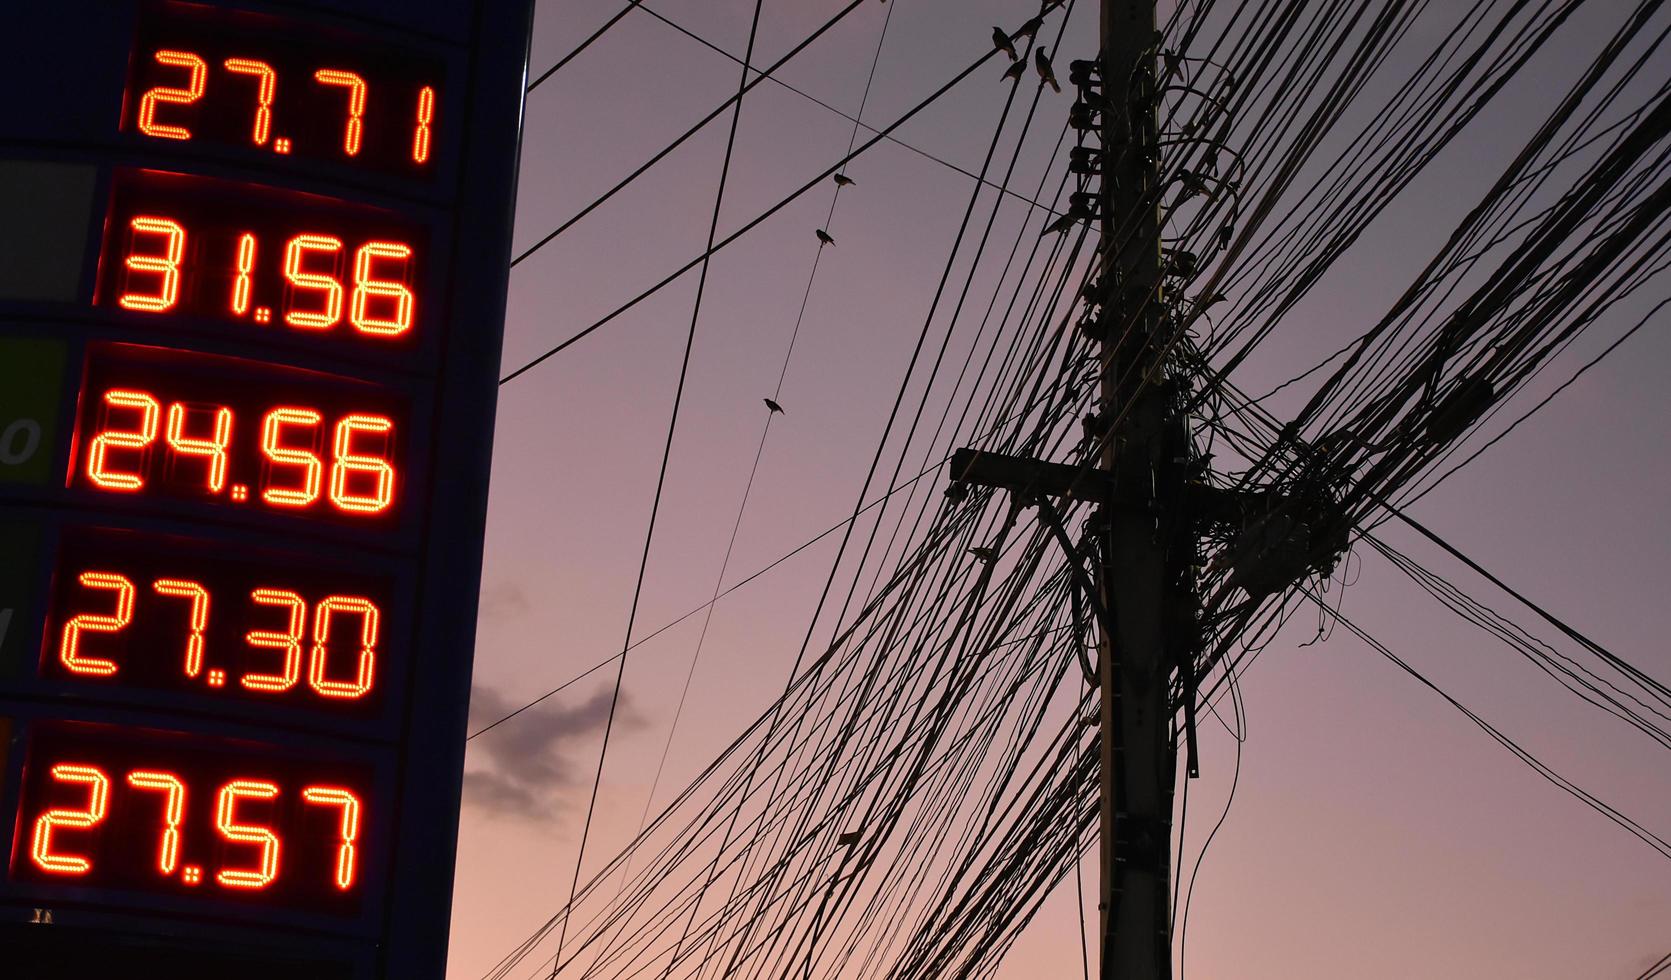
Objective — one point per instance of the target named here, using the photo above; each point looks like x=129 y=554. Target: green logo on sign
x=31 y=377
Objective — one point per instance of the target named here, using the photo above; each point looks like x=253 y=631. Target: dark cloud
x=526 y=766
x=503 y=600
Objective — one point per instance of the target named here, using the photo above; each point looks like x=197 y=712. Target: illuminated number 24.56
x=361 y=483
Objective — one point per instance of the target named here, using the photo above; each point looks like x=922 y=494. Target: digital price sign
x=253 y=260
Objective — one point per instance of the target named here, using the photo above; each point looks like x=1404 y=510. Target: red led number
x=378 y=301
x=289 y=641
x=198 y=596
x=348 y=827
x=98 y=798
x=367 y=287
x=116 y=596
x=328 y=312
x=197 y=78
x=253 y=850
x=365 y=664
x=100 y=469
x=212 y=449
x=165 y=266
x=193 y=71
x=356 y=87
x=226 y=821
x=426 y=116
x=350 y=469
x=275 y=433
x=69 y=646
x=267 y=84
x=174 y=806
x=361 y=477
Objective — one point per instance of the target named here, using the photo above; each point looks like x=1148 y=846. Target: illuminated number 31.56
x=379 y=304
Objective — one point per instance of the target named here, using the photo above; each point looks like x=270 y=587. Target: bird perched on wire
x=1001 y=41
x=1031 y=28
x=1041 y=61
x=773 y=408
x=1062 y=223
x=985 y=554
x=824 y=237
x=842 y=180
x=1014 y=71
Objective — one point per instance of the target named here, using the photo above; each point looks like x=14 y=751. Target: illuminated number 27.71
x=53 y=847
x=188 y=75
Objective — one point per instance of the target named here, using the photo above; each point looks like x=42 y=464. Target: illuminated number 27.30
x=169 y=790
x=121 y=600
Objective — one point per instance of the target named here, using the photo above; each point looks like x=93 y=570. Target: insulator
x=1086 y=160
x=1083 y=116
x=1086 y=203
x=1182 y=263
x=1083 y=73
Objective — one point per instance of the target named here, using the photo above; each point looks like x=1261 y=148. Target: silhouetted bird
x=1041 y=61
x=824 y=237
x=1193 y=185
x=1061 y=224
x=1001 y=41
x=987 y=555
x=842 y=180
x=772 y=406
x=1031 y=28
x=1015 y=70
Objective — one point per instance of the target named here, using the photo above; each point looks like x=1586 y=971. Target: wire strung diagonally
x=854 y=119
x=923 y=781
x=583 y=45
x=760 y=450
x=700 y=124
x=1659 y=967
x=750 y=225
x=661 y=482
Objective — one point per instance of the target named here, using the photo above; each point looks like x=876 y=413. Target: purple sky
x=1375 y=832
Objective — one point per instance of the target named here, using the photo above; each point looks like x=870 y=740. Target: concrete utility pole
x=1145 y=530
x=1138 y=758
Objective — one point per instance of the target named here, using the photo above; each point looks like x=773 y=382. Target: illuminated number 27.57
x=53 y=856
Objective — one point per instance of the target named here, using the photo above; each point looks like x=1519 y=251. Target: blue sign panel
x=252 y=286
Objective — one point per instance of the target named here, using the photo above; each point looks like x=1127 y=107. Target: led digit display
x=154 y=422
x=136 y=611
x=161 y=812
x=295 y=266
x=234 y=78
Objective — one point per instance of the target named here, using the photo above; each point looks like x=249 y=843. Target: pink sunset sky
x=1375 y=832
